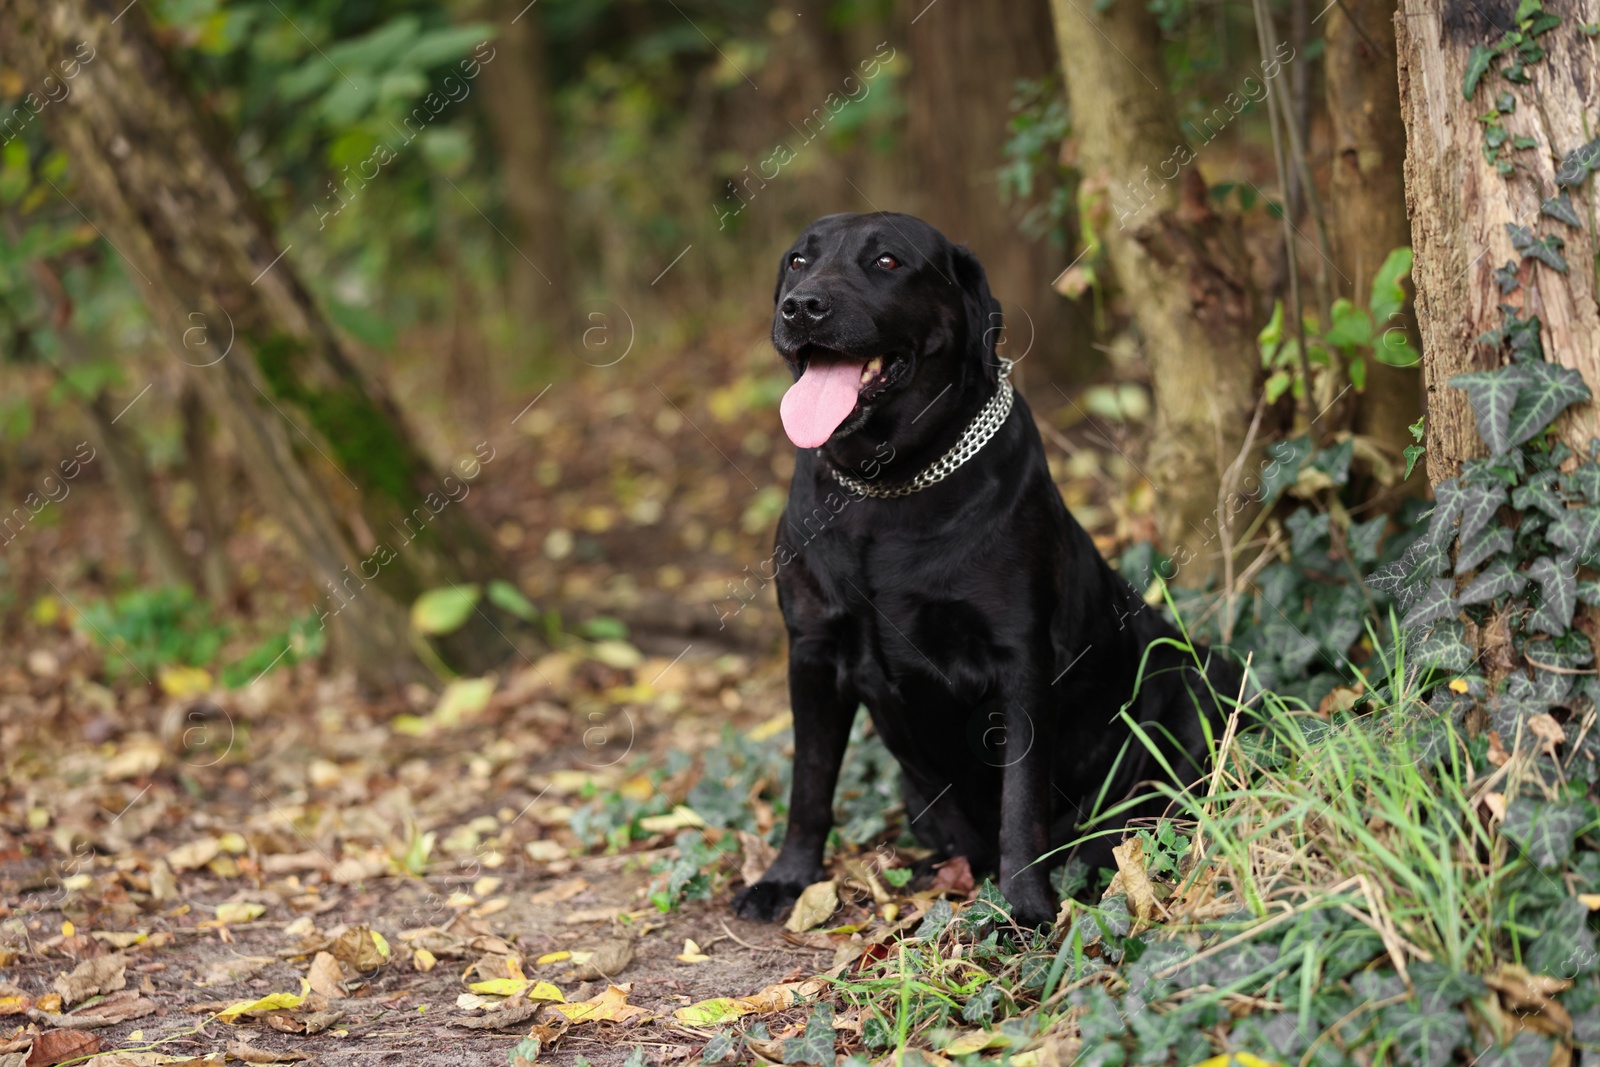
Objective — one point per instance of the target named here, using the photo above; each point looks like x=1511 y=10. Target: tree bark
x=355 y=498
x=1368 y=195
x=516 y=96
x=1185 y=266
x=966 y=61
x=210 y=502
x=1460 y=206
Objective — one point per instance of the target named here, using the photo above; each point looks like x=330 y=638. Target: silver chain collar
x=985 y=426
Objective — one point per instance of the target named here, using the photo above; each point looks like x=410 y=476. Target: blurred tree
x=1480 y=192
x=373 y=521
x=517 y=88
x=1367 y=193
x=1183 y=266
x=967 y=60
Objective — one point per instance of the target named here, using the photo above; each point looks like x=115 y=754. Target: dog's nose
x=814 y=306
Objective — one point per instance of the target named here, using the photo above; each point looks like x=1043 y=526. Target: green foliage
x=152 y=628
x=145 y=630
x=1353 y=336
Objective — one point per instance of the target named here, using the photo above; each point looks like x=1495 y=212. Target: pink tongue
x=824 y=396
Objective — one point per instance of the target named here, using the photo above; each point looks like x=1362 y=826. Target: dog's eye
x=796 y=262
x=886 y=261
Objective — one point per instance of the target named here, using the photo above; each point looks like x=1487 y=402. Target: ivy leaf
x=1493 y=541
x=1284 y=470
x=1492 y=395
x=1403 y=579
x=1558 y=596
x=1560 y=208
x=990 y=907
x=980 y=1007
x=1428 y=1038
x=815 y=1045
x=1544 y=830
x=1589 y=593
x=1506 y=278
x=1583 y=482
x=1577 y=530
x=1545 y=249
x=1477 y=66
x=1566 y=948
x=1544 y=390
x=1496 y=580
x=1448 y=500
x=1335 y=461
x=1363 y=538
x=1436 y=604
x=1478 y=505
x=1444 y=649
x=1305 y=530
x=937 y=918
x=1539 y=493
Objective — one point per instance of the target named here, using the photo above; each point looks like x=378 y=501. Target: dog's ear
x=984 y=319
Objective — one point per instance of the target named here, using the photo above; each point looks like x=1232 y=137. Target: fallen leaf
x=1238 y=1059
x=325 y=976
x=58 y=1046
x=235 y=969
x=194 y=855
x=955 y=876
x=1496 y=803
x=607 y=961
x=270 y=1002
x=755 y=856
x=691 y=953
x=817 y=902
x=360 y=949
x=423 y=960
x=1133 y=878
x=103 y=974
x=552 y=957
x=713 y=1012
x=610 y=1006
x=249 y=1054
x=240 y=912
x=515 y=987
x=561 y=891
x=679 y=818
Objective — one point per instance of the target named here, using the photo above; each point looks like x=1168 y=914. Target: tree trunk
x=1183 y=265
x=128 y=474
x=1368 y=194
x=1460 y=207
x=965 y=64
x=516 y=96
x=360 y=504
x=210 y=504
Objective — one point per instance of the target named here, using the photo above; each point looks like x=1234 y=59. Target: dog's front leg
x=822 y=718
x=1025 y=809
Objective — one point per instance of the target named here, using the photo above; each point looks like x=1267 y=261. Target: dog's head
x=878 y=316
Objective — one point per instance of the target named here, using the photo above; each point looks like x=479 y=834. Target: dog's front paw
x=767 y=901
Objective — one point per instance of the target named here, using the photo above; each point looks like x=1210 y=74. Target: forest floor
x=288 y=869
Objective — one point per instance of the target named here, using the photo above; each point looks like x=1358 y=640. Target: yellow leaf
x=510 y=987
x=691 y=953
x=1590 y=900
x=67 y=929
x=712 y=1012
x=680 y=818
x=772 y=727
x=817 y=901
x=611 y=1006
x=184 y=682
x=270 y=1002
x=240 y=912
x=552 y=957
x=423 y=960
x=1458 y=685
x=381 y=942
x=1238 y=1059
x=976 y=1041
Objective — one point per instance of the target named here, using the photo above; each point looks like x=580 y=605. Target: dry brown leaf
x=195 y=854
x=507 y=1017
x=249 y=1054
x=561 y=891
x=1496 y=803
x=325 y=976
x=104 y=974
x=358 y=950
x=590 y=915
x=1133 y=878
x=755 y=856
x=955 y=876
x=609 y=1007
x=58 y=1046
x=235 y=969
x=607 y=961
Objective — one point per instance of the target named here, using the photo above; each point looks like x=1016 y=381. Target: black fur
x=975 y=619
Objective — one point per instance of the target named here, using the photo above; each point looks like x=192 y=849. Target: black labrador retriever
x=928 y=569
